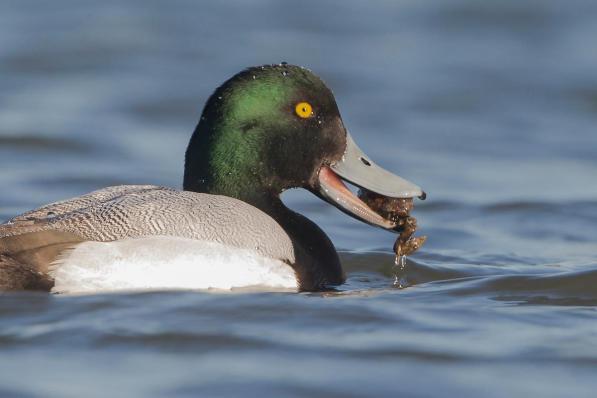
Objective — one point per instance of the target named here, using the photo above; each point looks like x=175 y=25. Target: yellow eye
x=304 y=110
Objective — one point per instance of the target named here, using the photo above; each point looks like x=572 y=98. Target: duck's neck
x=316 y=260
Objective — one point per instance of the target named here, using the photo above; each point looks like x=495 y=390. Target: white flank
x=161 y=262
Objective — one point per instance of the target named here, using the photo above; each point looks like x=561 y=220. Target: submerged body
x=265 y=130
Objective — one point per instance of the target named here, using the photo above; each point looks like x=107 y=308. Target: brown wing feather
x=17 y=276
x=25 y=256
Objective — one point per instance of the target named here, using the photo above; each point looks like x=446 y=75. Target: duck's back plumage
x=37 y=238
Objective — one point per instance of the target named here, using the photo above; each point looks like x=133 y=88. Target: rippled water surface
x=490 y=106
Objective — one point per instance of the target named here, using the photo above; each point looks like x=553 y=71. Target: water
x=490 y=106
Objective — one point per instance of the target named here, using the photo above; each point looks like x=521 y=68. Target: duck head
x=275 y=127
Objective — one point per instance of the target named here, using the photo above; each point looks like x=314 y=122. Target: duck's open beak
x=356 y=168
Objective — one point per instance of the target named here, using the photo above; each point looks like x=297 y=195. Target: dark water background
x=490 y=106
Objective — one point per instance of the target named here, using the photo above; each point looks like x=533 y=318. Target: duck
x=265 y=130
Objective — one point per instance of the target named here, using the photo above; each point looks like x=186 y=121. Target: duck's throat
x=317 y=263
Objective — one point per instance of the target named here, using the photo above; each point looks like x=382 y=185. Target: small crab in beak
x=384 y=199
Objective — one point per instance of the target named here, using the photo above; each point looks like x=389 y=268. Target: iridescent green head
x=266 y=129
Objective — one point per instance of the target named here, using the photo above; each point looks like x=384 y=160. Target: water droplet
x=400 y=280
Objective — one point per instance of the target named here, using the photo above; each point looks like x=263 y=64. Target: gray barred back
x=132 y=211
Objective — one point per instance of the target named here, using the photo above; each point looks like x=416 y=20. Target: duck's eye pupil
x=304 y=110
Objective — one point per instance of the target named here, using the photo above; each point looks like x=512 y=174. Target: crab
x=397 y=210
